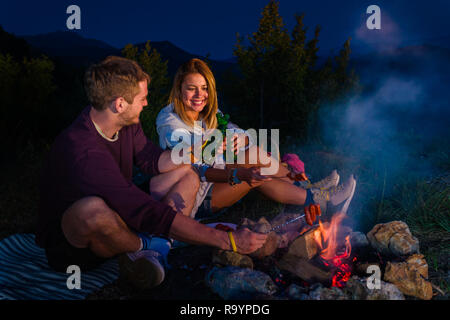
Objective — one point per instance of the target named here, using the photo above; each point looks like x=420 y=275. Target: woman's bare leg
x=280 y=189
x=224 y=195
x=177 y=188
x=283 y=192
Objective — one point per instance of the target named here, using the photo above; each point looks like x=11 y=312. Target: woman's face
x=194 y=90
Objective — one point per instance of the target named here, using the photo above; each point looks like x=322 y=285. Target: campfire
x=324 y=261
x=321 y=253
x=334 y=254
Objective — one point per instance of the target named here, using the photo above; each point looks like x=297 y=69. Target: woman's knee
x=191 y=177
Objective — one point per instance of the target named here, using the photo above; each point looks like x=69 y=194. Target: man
x=91 y=211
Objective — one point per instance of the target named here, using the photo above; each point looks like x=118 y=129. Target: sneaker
x=143 y=269
x=329 y=182
x=335 y=195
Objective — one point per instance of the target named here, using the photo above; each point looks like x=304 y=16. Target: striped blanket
x=25 y=274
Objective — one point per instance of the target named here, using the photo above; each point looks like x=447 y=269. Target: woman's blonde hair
x=209 y=111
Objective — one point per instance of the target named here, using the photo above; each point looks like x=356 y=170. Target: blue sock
x=309 y=198
x=158 y=244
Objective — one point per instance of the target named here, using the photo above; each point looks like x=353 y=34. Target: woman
x=193 y=100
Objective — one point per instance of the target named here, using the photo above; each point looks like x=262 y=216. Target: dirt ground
x=184 y=279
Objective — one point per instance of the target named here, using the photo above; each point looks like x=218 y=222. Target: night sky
x=202 y=27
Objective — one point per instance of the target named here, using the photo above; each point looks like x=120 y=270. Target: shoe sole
x=141 y=273
x=349 y=199
x=337 y=181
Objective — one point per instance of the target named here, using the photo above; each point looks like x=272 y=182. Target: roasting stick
x=289 y=222
x=312 y=207
x=286 y=223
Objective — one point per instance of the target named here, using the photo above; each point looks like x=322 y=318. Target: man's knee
x=90 y=215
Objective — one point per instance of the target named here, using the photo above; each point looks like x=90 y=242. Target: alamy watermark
x=374 y=281
x=74 y=20
x=193 y=146
x=74 y=280
x=374 y=21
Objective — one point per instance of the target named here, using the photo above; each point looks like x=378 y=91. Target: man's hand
x=248 y=241
x=186 y=229
x=252 y=176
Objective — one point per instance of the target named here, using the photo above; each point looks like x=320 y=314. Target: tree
x=26 y=86
x=262 y=63
x=280 y=80
x=150 y=61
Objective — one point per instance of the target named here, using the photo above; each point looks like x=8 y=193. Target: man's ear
x=119 y=105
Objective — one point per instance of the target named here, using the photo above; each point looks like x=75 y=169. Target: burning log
x=298 y=259
x=305 y=246
x=304 y=269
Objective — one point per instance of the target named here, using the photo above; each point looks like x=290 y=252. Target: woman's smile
x=198 y=103
x=195 y=94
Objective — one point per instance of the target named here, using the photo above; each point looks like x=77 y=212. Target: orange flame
x=326 y=237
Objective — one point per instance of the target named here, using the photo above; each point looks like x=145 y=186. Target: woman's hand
x=239 y=141
x=252 y=176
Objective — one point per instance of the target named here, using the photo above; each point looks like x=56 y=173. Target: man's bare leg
x=91 y=223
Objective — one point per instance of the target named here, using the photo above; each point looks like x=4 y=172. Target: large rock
x=230 y=258
x=358 y=240
x=239 y=283
x=410 y=276
x=319 y=292
x=295 y=292
x=357 y=289
x=262 y=226
x=393 y=238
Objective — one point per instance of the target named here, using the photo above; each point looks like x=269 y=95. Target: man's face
x=131 y=114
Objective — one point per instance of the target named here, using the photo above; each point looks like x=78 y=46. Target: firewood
x=304 y=246
x=304 y=269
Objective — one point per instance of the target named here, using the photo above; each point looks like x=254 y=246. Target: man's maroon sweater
x=81 y=163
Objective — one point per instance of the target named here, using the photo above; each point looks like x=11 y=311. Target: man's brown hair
x=112 y=78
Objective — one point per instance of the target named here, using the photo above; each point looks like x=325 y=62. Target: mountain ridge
x=75 y=49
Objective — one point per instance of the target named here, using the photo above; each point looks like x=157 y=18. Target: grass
x=425 y=207
x=19 y=192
